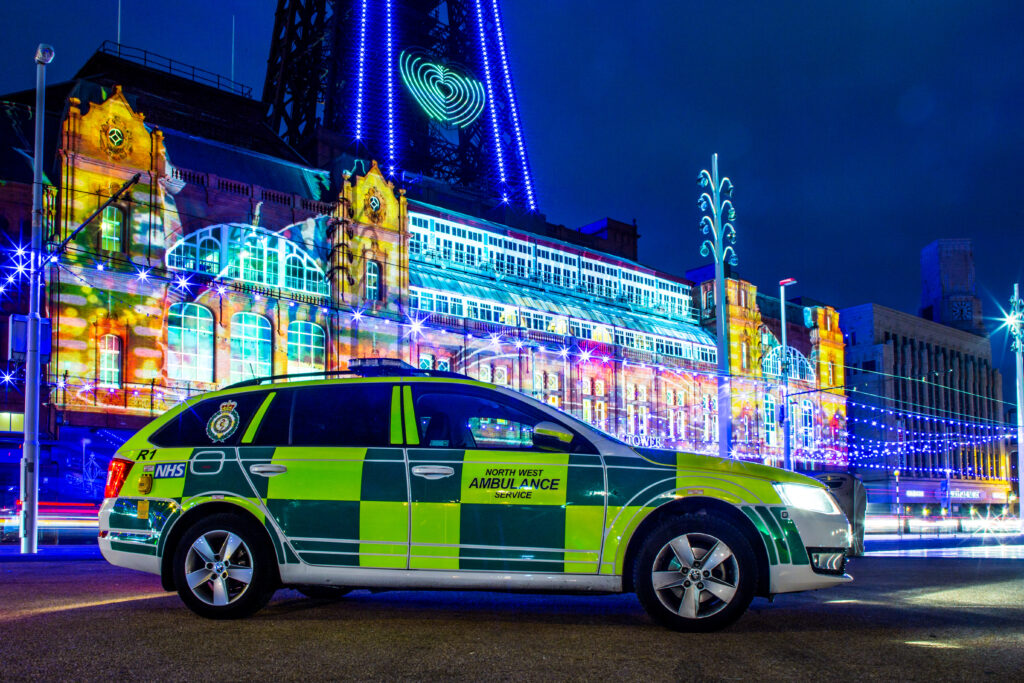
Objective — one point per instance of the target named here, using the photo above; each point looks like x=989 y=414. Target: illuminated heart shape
x=445 y=95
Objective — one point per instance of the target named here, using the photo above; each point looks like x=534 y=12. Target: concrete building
x=925 y=399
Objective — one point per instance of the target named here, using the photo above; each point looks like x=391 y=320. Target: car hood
x=682 y=459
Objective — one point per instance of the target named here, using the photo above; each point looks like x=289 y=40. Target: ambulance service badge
x=223 y=423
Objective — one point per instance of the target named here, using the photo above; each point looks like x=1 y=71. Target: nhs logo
x=169 y=471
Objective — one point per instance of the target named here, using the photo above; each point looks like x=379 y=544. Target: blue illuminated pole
x=27 y=527
x=1015 y=323
x=715 y=210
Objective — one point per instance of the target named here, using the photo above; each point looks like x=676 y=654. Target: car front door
x=485 y=497
x=332 y=473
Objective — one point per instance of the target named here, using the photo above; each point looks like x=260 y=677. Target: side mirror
x=551 y=436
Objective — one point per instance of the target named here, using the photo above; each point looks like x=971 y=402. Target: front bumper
x=818 y=532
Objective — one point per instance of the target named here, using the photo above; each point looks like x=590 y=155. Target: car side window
x=210 y=422
x=341 y=415
x=470 y=418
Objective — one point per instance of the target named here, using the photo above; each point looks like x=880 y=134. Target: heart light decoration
x=445 y=95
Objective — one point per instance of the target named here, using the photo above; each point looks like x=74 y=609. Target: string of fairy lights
x=941 y=433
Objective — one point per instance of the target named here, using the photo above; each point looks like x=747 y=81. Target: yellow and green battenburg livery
x=412 y=503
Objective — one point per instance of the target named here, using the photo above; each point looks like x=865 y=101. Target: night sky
x=855 y=132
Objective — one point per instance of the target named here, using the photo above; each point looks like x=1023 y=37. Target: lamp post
x=27 y=526
x=899 y=521
x=787 y=447
x=1015 y=323
x=711 y=223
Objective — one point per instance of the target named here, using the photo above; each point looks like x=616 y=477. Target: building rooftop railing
x=174 y=67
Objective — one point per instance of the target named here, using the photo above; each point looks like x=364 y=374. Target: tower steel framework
x=421 y=86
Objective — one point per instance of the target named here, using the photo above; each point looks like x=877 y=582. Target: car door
x=485 y=497
x=332 y=473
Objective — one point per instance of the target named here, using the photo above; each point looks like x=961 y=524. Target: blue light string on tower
x=514 y=109
x=361 y=76
x=391 y=65
x=491 y=104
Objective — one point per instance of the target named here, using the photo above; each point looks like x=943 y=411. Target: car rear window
x=341 y=415
x=210 y=422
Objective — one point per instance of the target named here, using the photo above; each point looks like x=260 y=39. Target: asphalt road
x=903 y=618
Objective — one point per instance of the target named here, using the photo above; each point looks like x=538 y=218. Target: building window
x=190 y=342
x=110 y=360
x=745 y=351
x=831 y=374
x=254 y=255
x=769 y=420
x=807 y=424
x=372 y=281
x=250 y=347
x=600 y=414
x=501 y=375
x=426 y=361
x=305 y=347
x=112 y=229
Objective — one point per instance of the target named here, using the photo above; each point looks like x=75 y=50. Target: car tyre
x=224 y=568
x=695 y=573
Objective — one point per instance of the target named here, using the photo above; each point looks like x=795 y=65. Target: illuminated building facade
x=230 y=260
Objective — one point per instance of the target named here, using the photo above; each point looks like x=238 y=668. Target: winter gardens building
x=231 y=258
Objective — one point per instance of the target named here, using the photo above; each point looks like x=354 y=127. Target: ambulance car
x=387 y=477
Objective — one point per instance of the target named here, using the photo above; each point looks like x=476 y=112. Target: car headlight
x=807 y=498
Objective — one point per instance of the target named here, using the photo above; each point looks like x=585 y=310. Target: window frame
x=117 y=369
x=200 y=344
x=376 y=275
x=122 y=215
x=243 y=340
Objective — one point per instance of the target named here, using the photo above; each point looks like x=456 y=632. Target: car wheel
x=224 y=567
x=695 y=573
x=324 y=592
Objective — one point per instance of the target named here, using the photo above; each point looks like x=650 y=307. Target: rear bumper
x=131 y=549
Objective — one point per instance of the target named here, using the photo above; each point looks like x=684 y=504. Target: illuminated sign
x=642 y=441
x=445 y=95
x=915 y=493
x=973 y=494
x=999 y=495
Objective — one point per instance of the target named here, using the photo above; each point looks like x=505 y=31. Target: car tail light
x=117 y=472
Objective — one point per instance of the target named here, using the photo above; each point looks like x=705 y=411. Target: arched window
x=190 y=342
x=112 y=229
x=250 y=347
x=110 y=360
x=305 y=347
x=372 y=281
x=252 y=254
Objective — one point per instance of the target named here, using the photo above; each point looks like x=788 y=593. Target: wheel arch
x=195 y=514
x=698 y=505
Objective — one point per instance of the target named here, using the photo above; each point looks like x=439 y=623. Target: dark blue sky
x=855 y=132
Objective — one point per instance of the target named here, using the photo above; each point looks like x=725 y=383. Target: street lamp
x=787 y=447
x=27 y=526
x=1015 y=323
x=715 y=210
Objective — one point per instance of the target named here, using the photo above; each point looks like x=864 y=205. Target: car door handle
x=266 y=470
x=433 y=471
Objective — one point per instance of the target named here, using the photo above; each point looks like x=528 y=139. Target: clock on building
x=962 y=310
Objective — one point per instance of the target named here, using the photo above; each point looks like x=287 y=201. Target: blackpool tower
x=424 y=87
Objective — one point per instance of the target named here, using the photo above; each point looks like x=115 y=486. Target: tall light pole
x=30 y=454
x=787 y=447
x=1015 y=323
x=711 y=223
